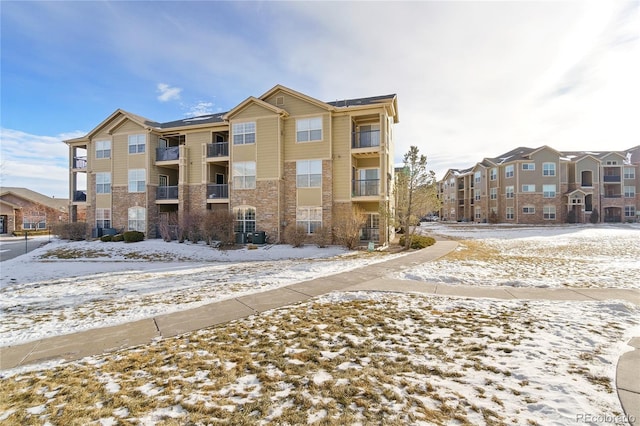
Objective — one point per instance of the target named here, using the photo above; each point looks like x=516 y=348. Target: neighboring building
x=542 y=186
x=278 y=159
x=23 y=209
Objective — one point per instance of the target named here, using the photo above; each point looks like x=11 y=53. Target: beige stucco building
x=544 y=186
x=280 y=158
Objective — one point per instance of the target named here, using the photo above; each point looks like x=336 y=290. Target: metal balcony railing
x=80 y=196
x=218 y=149
x=79 y=162
x=611 y=178
x=167 y=193
x=365 y=139
x=170 y=153
x=366 y=187
x=217 y=190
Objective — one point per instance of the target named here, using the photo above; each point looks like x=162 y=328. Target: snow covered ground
x=348 y=358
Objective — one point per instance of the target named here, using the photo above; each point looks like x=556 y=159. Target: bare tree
x=416 y=192
x=348 y=225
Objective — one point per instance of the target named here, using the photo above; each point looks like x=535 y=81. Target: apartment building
x=273 y=160
x=544 y=186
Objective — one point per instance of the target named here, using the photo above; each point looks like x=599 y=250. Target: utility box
x=259 y=237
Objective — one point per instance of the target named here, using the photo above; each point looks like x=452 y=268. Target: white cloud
x=168 y=93
x=200 y=108
x=37 y=162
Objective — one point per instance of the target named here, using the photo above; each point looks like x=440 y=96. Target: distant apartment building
x=22 y=209
x=274 y=160
x=544 y=186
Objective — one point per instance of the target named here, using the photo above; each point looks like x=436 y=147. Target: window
x=309 y=129
x=136 y=144
x=137 y=180
x=508 y=171
x=103 y=183
x=548 y=191
x=549 y=212
x=34 y=220
x=103 y=218
x=137 y=219
x=493 y=174
x=368 y=183
x=630 y=191
x=103 y=149
x=528 y=210
x=493 y=193
x=548 y=169
x=244 y=175
x=244 y=133
x=529 y=166
x=510 y=214
x=528 y=188
x=245 y=219
x=477 y=176
x=629 y=211
x=478 y=213
x=612 y=163
x=629 y=173
x=508 y=190
x=310 y=218
x=309 y=173
x=476 y=194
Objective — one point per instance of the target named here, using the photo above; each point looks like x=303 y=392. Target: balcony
x=167 y=193
x=79 y=196
x=365 y=139
x=79 y=162
x=612 y=195
x=366 y=188
x=217 y=149
x=217 y=192
x=611 y=178
x=171 y=153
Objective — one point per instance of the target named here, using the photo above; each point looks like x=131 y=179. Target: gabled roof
x=36 y=197
x=13 y=206
x=254 y=101
x=280 y=88
x=520 y=153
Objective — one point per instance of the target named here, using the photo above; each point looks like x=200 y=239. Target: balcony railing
x=170 y=153
x=366 y=187
x=611 y=178
x=612 y=195
x=365 y=139
x=218 y=149
x=80 y=196
x=79 y=162
x=167 y=193
x=216 y=191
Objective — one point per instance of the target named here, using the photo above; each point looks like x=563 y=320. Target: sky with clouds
x=473 y=79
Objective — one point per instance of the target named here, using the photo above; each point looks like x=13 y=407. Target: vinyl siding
x=267 y=148
x=296 y=106
x=306 y=150
x=341 y=158
x=309 y=197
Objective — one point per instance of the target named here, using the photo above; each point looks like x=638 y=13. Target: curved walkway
x=373 y=277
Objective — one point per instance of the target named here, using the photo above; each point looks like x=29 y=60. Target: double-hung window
x=510 y=213
x=493 y=193
x=309 y=173
x=548 y=169
x=244 y=175
x=508 y=191
x=630 y=211
x=103 y=183
x=629 y=173
x=508 y=171
x=245 y=219
x=137 y=144
x=310 y=218
x=477 y=176
x=137 y=219
x=549 y=212
x=549 y=191
x=137 y=180
x=103 y=218
x=244 y=133
x=629 y=191
x=493 y=174
x=309 y=129
x=103 y=149
x=476 y=194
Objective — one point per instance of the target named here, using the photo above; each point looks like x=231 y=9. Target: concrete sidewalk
x=370 y=278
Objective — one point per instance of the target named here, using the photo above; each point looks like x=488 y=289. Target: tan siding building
x=544 y=186
x=273 y=160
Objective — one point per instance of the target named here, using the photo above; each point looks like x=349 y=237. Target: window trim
x=529 y=167
x=103 y=187
x=528 y=209
x=244 y=215
x=547 y=212
x=309 y=219
x=135 y=138
x=547 y=194
x=240 y=130
x=309 y=130
x=310 y=182
x=525 y=187
x=106 y=152
x=137 y=181
x=509 y=171
x=509 y=191
x=101 y=217
x=243 y=177
x=548 y=171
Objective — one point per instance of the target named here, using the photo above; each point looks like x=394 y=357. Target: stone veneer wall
x=122 y=200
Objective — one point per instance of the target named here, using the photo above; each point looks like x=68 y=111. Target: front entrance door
x=3 y=224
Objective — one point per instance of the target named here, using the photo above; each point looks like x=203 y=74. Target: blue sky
x=473 y=79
